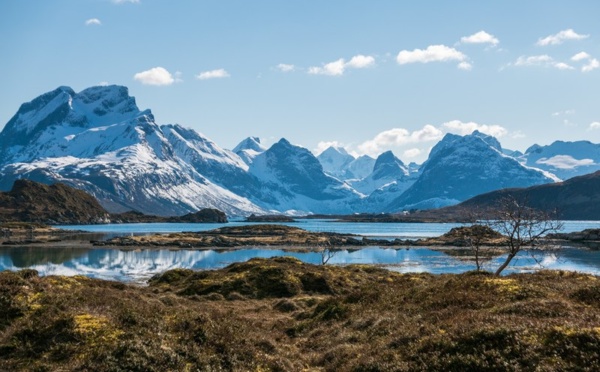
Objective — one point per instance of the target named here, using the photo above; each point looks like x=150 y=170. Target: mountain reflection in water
x=139 y=265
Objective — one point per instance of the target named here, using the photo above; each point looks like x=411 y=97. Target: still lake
x=138 y=265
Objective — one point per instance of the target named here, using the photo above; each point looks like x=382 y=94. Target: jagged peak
x=284 y=142
x=387 y=157
x=250 y=143
x=532 y=148
x=332 y=150
x=386 y=164
x=476 y=138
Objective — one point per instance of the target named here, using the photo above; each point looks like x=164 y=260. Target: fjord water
x=140 y=264
x=370 y=229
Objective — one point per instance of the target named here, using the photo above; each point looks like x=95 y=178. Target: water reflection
x=138 y=265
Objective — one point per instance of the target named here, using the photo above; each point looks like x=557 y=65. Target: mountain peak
x=284 y=142
x=250 y=143
x=389 y=166
x=333 y=150
x=335 y=161
x=249 y=148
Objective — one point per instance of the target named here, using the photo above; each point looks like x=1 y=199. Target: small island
x=269 y=218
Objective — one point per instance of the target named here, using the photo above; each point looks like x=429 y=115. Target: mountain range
x=98 y=140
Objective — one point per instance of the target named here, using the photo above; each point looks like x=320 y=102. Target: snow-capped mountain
x=249 y=148
x=459 y=168
x=335 y=161
x=99 y=141
x=297 y=182
x=360 y=167
x=388 y=169
x=564 y=159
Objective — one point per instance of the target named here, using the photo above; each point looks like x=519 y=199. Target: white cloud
x=592 y=65
x=399 y=137
x=93 y=22
x=480 y=37
x=580 y=56
x=543 y=60
x=563 y=66
x=594 y=126
x=103 y=84
x=533 y=60
x=126 y=1
x=283 y=67
x=213 y=74
x=465 y=66
x=155 y=76
x=433 y=53
x=565 y=162
x=337 y=68
x=361 y=61
x=458 y=127
x=560 y=37
x=411 y=153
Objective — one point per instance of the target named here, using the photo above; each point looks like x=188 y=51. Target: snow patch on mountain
x=248 y=149
x=459 y=168
x=296 y=180
x=564 y=159
x=98 y=140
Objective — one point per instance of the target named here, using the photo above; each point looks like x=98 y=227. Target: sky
x=369 y=76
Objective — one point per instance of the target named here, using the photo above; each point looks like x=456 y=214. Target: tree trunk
x=503 y=266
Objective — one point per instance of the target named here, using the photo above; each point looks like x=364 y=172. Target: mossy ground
x=283 y=315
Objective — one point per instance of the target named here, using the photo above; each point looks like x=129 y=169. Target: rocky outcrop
x=30 y=201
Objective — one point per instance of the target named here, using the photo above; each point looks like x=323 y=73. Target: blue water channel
x=140 y=264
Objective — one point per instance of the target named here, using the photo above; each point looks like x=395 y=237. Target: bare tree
x=326 y=255
x=522 y=225
x=474 y=239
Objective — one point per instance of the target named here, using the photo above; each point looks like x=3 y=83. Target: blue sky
x=367 y=75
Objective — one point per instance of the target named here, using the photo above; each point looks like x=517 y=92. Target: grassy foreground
x=282 y=315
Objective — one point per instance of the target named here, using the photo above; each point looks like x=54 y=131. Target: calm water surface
x=139 y=265
x=383 y=230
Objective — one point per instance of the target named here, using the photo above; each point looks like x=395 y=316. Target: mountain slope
x=249 y=148
x=335 y=160
x=388 y=169
x=459 y=168
x=577 y=198
x=296 y=180
x=565 y=159
x=99 y=141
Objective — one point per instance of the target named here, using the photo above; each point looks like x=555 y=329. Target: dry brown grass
x=283 y=315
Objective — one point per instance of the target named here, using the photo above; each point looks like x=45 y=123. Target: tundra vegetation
x=284 y=315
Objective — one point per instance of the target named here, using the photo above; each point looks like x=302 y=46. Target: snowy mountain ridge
x=98 y=140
